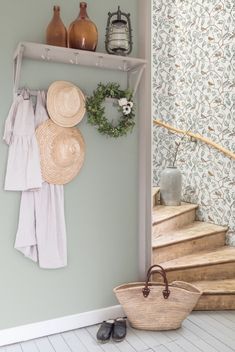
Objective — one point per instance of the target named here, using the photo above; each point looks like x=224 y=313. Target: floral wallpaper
x=194 y=89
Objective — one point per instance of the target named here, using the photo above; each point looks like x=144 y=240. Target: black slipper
x=105 y=331
x=119 y=330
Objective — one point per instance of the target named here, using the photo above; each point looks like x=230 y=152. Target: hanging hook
x=76 y=58
x=75 y=61
x=100 y=61
x=124 y=65
x=46 y=56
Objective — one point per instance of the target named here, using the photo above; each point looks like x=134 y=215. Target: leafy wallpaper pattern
x=194 y=89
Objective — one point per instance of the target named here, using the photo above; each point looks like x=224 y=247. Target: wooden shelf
x=35 y=51
x=134 y=67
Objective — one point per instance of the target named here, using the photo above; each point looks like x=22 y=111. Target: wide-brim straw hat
x=62 y=152
x=65 y=103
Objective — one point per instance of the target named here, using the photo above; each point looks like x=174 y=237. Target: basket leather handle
x=146 y=289
x=155 y=266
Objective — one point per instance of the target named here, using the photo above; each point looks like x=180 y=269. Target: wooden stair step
x=216 y=286
x=195 y=237
x=205 y=265
x=192 y=231
x=162 y=212
x=165 y=218
x=218 y=256
x=217 y=294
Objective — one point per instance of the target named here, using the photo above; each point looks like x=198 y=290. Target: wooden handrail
x=196 y=136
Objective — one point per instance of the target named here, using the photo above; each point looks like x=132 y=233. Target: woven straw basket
x=156 y=306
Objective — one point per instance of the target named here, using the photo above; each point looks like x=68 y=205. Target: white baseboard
x=56 y=326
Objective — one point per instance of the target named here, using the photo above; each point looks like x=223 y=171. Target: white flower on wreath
x=126 y=110
x=122 y=102
x=130 y=104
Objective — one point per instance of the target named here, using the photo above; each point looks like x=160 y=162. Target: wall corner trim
x=145 y=139
x=56 y=326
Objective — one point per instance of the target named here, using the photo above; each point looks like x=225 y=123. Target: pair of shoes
x=116 y=328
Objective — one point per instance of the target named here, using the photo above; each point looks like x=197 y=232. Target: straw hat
x=62 y=152
x=65 y=103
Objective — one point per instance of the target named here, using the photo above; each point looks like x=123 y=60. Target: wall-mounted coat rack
x=134 y=67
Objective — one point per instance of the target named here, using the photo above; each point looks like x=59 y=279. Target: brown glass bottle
x=83 y=32
x=56 y=33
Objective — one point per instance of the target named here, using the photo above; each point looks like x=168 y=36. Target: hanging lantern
x=118 y=33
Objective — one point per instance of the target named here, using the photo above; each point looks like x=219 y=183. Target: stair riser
x=207 y=272
x=163 y=254
x=216 y=302
x=174 y=223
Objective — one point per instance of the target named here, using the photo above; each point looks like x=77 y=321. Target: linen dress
x=23 y=166
x=41 y=234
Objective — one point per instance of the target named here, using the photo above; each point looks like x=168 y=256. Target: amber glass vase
x=56 y=33
x=83 y=33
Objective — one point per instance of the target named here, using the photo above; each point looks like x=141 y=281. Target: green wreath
x=96 y=110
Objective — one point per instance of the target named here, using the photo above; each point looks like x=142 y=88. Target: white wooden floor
x=202 y=331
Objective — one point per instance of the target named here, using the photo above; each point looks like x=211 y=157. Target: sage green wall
x=101 y=203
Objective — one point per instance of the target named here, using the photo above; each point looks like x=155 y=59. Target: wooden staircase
x=194 y=251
